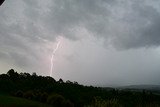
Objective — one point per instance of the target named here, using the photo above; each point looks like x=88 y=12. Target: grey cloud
x=142 y=29
x=122 y=24
x=66 y=15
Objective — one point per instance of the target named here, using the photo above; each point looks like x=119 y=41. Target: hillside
x=10 y=101
x=46 y=90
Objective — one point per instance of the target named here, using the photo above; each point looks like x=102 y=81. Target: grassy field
x=8 y=101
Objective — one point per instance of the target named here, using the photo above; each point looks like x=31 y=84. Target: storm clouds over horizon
x=103 y=42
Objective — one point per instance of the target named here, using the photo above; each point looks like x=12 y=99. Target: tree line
x=71 y=94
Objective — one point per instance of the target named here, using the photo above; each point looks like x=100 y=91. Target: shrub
x=19 y=93
x=105 y=103
x=44 y=97
x=28 y=95
x=67 y=103
x=55 y=100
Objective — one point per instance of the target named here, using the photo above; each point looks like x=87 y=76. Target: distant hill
x=141 y=87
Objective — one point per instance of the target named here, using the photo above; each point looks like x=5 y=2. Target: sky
x=102 y=42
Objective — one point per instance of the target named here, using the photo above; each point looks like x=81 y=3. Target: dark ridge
x=1 y=1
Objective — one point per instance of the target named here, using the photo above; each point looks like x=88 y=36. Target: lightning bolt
x=53 y=54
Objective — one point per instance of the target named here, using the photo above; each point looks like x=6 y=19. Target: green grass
x=9 y=101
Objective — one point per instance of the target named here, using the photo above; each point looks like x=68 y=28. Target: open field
x=9 y=101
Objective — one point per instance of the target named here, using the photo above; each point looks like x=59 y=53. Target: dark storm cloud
x=123 y=24
x=141 y=28
x=65 y=16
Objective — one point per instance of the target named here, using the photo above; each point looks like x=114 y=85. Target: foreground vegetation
x=10 y=101
x=40 y=91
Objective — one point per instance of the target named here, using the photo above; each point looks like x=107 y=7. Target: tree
x=11 y=72
x=13 y=75
x=69 y=82
x=60 y=81
x=50 y=79
x=34 y=74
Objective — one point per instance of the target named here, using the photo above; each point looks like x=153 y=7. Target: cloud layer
x=124 y=24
